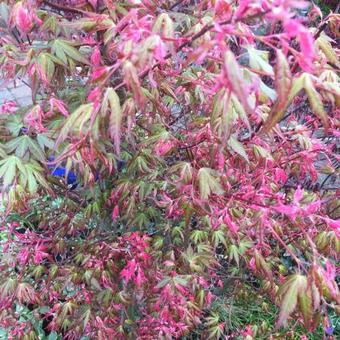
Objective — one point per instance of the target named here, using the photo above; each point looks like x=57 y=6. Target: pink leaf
x=93 y=3
x=115 y=213
x=230 y=224
x=23 y=19
x=129 y=271
x=96 y=57
x=298 y=195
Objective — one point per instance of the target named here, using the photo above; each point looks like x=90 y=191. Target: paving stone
x=14 y=84
x=5 y=95
x=22 y=91
x=24 y=101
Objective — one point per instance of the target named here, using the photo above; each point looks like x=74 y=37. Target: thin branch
x=63 y=8
x=193 y=145
x=176 y=4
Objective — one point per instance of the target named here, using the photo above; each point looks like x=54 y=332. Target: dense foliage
x=176 y=174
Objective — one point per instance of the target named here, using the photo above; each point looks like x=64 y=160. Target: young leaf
x=209 y=183
x=283 y=85
x=75 y=121
x=234 y=75
x=326 y=47
x=62 y=48
x=236 y=146
x=306 y=307
x=315 y=101
x=289 y=292
x=111 y=101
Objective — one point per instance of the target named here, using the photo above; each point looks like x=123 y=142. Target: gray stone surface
x=5 y=94
x=16 y=91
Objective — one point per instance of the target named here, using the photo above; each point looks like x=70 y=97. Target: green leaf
x=23 y=144
x=163 y=283
x=315 y=100
x=4 y=15
x=218 y=237
x=53 y=336
x=46 y=65
x=259 y=151
x=14 y=124
x=306 y=307
x=326 y=47
x=8 y=168
x=111 y=102
x=283 y=85
x=45 y=141
x=209 y=183
x=75 y=121
x=198 y=236
x=236 y=146
x=289 y=292
x=234 y=254
x=258 y=60
x=2 y=151
x=62 y=48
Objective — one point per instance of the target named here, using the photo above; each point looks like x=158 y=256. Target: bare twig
x=63 y=8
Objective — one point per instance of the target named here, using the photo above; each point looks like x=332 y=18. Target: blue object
x=71 y=178
x=60 y=171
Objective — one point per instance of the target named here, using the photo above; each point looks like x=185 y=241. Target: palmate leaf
x=14 y=124
x=75 y=122
x=111 y=103
x=303 y=82
x=64 y=50
x=258 y=60
x=283 y=85
x=234 y=75
x=306 y=307
x=92 y=24
x=7 y=288
x=44 y=140
x=327 y=49
x=198 y=236
x=132 y=79
x=209 y=183
x=8 y=168
x=236 y=146
x=259 y=151
x=294 y=288
x=234 y=254
x=184 y=169
x=164 y=25
x=262 y=266
x=28 y=175
x=315 y=100
x=46 y=66
x=23 y=144
x=219 y=237
x=226 y=110
x=34 y=177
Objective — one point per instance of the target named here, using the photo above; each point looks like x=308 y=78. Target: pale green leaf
x=209 y=183
x=236 y=146
x=289 y=292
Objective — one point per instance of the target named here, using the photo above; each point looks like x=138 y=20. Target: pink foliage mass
x=176 y=156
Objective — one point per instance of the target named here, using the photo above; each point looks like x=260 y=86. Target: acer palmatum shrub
x=178 y=156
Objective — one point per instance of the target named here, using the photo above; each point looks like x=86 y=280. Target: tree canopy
x=177 y=156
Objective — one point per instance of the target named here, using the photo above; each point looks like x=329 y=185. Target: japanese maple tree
x=173 y=151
